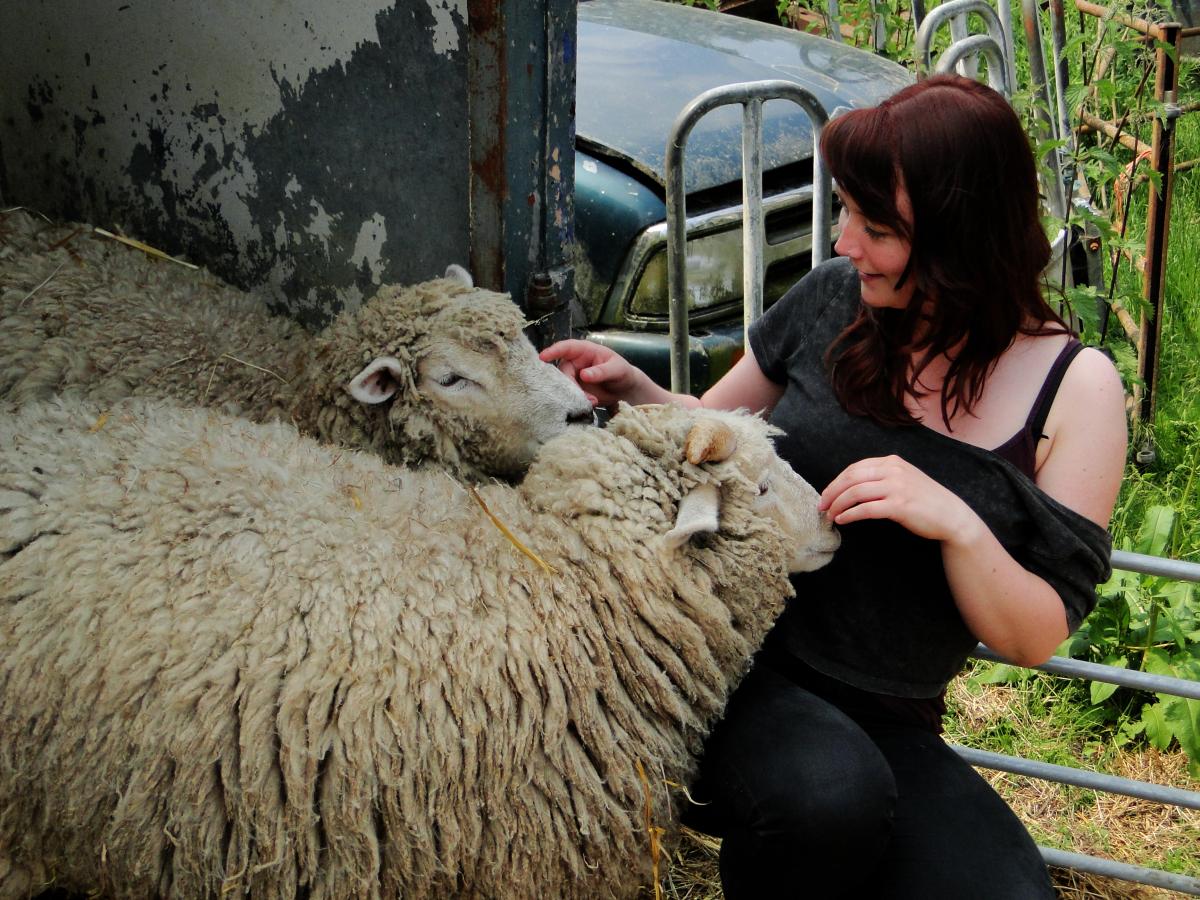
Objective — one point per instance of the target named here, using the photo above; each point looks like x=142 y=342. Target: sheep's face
x=742 y=470
x=791 y=502
x=466 y=387
x=502 y=400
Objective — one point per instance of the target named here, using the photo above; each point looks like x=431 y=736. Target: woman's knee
x=786 y=765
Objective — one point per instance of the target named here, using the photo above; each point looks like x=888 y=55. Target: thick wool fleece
x=239 y=660
x=105 y=322
x=87 y=316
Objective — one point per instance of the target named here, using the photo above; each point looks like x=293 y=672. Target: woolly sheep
x=237 y=661
x=438 y=373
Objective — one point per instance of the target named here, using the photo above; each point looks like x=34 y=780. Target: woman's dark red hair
x=978 y=245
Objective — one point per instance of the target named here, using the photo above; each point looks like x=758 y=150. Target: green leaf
x=1155 y=533
x=1101 y=691
x=1183 y=715
x=999 y=673
x=1158 y=732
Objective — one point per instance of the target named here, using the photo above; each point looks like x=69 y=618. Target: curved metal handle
x=751 y=95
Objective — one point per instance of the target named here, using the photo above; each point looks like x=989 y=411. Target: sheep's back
x=89 y=317
x=316 y=669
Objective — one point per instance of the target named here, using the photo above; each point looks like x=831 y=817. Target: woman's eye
x=874 y=233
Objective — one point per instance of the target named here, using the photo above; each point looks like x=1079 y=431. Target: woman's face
x=878 y=253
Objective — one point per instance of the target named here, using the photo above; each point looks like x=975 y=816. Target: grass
x=1050 y=719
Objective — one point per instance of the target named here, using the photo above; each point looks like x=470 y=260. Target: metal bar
x=1177 y=569
x=1062 y=80
x=878 y=26
x=1040 y=86
x=956 y=11
x=1084 y=778
x=753 y=230
x=1103 y=12
x=918 y=12
x=958 y=32
x=1124 y=871
x=1078 y=668
x=1006 y=28
x=822 y=198
x=835 y=21
x=978 y=45
x=1166 y=86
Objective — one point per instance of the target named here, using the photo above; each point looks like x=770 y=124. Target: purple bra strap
x=1045 y=397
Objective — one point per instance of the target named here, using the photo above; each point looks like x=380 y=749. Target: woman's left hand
x=888 y=487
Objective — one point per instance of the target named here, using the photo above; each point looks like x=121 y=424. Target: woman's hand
x=603 y=374
x=887 y=487
x=1013 y=611
x=606 y=377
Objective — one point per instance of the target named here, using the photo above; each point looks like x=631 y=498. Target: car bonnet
x=641 y=61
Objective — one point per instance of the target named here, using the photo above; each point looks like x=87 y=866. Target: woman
x=970 y=451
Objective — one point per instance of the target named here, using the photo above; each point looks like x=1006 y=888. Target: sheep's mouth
x=812 y=560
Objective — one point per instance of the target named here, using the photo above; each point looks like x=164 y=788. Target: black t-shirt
x=880 y=616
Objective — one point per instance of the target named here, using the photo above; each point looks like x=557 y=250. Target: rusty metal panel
x=305 y=149
x=522 y=71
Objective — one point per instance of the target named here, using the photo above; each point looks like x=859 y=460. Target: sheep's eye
x=449 y=379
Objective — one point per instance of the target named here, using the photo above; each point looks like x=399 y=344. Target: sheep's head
x=692 y=473
x=441 y=373
x=743 y=475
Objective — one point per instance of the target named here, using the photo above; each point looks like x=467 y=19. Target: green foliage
x=1153 y=624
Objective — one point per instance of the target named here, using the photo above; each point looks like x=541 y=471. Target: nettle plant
x=1152 y=624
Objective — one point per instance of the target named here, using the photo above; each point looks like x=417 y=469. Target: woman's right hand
x=603 y=374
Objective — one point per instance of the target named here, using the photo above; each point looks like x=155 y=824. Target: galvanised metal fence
x=1178 y=570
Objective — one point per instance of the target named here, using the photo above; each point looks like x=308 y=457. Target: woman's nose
x=845 y=245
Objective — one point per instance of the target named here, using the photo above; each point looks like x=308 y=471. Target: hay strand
x=40 y=286
x=253 y=366
x=145 y=248
x=653 y=832
x=545 y=566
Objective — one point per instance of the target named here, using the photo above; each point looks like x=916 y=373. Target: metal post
x=957 y=12
x=1040 y=86
x=753 y=230
x=1166 y=86
x=522 y=148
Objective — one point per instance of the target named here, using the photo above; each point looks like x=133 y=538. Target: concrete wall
x=303 y=149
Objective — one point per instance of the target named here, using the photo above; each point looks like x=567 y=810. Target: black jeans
x=810 y=802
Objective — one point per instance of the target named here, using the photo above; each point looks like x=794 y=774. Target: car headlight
x=714 y=275
x=715 y=257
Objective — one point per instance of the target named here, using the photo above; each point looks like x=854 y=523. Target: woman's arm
x=1010 y=609
x=1013 y=611
x=606 y=377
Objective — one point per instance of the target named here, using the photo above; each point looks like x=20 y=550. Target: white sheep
x=438 y=372
x=237 y=660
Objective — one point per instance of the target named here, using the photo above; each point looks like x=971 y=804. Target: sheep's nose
x=582 y=417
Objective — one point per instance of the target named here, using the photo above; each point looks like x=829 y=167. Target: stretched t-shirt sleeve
x=785 y=328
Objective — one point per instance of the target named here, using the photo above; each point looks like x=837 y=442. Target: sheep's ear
x=455 y=272
x=697 y=514
x=379 y=381
x=710 y=440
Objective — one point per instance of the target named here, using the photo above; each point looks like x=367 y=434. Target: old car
x=639 y=63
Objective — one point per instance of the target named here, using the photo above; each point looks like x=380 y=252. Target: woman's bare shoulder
x=1084 y=456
